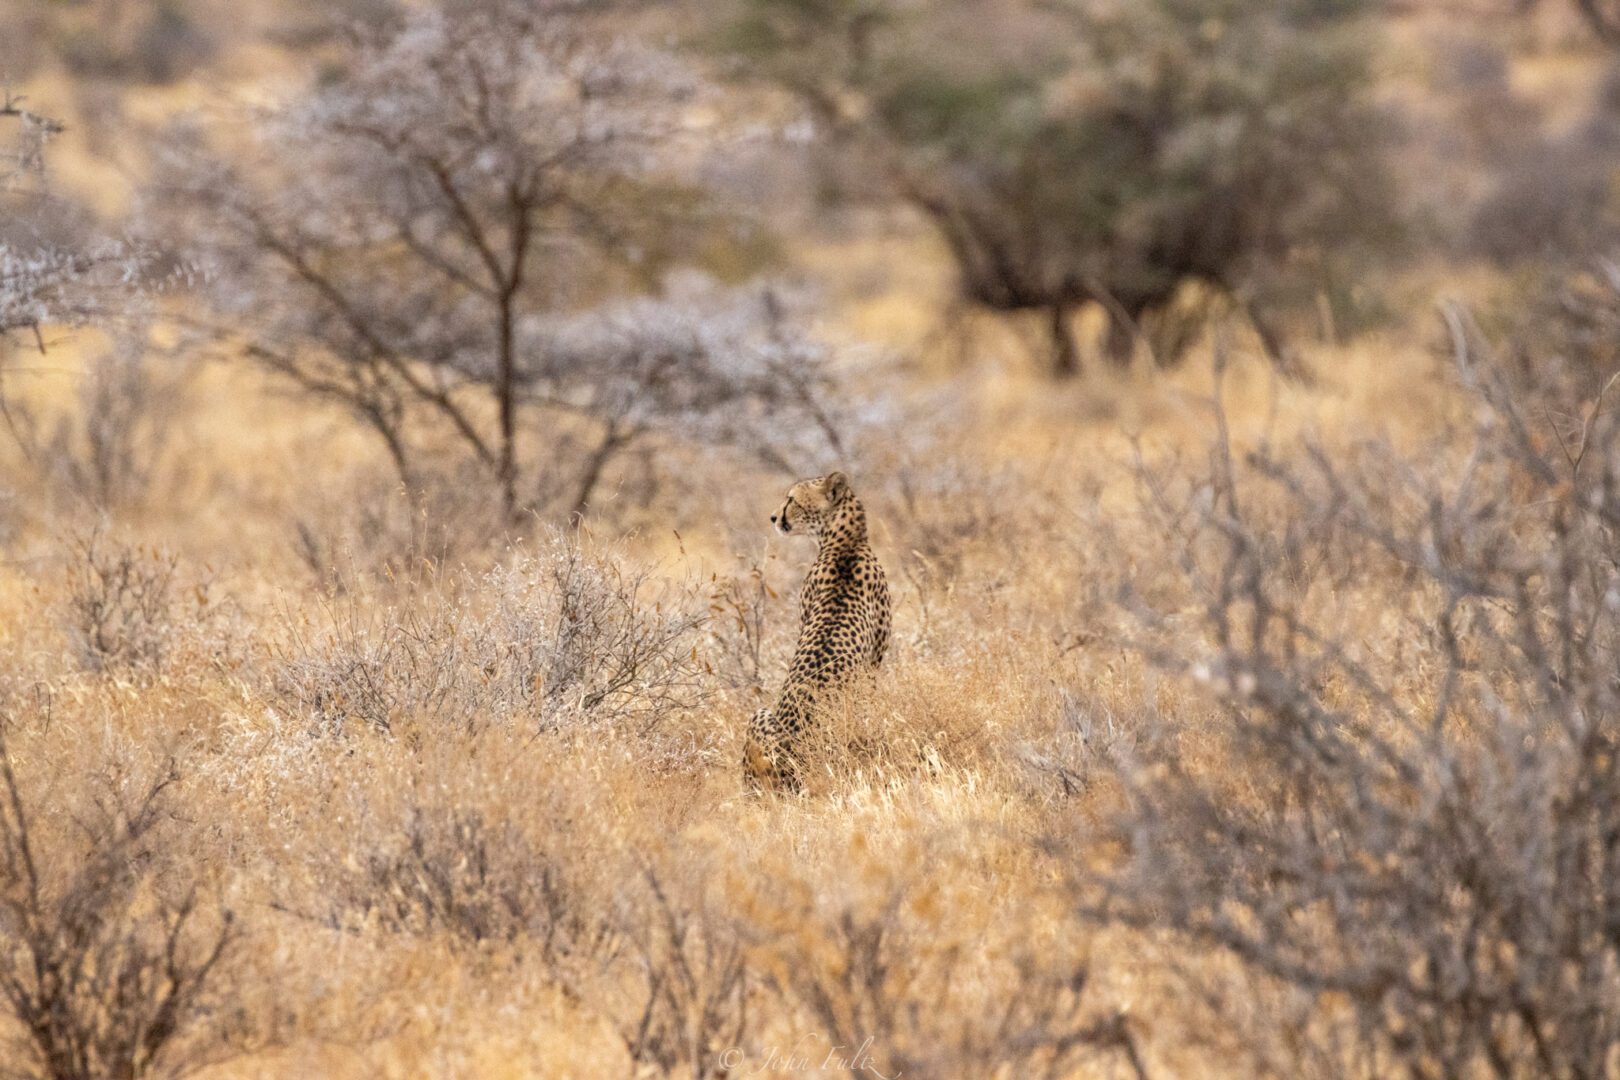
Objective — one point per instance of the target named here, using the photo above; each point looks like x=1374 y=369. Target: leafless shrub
x=889 y=1000
x=108 y=450
x=718 y=367
x=750 y=627
x=554 y=639
x=107 y=971
x=1088 y=740
x=453 y=871
x=614 y=655
x=122 y=602
x=1412 y=821
x=369 y=527
x=693 y=983
x=1563 y=328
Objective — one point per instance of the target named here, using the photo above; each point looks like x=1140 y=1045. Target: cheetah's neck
x=844 y=530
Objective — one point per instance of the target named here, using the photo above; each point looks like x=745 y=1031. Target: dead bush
x=554 y=639
x=1411 y=819
x=1565 y=328
x=1088 y=742
x=370 y=529
x=453 y=871
x=108 y=450
x=122 y=601
x=753 y=613
x=110 y=968
x=903 y=970
x=692 y=983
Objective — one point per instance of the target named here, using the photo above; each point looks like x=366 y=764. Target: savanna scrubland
x=394 y=398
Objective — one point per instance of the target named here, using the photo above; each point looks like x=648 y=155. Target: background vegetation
x=392 y=399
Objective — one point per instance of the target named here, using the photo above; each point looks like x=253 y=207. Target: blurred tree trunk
x=1284 y=359
x=616 y=438
x=1065 y=356
x=1119 y=340
x=1124 y=321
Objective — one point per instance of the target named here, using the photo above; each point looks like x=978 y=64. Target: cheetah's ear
x=836 y=486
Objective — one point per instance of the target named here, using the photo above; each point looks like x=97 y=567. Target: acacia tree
x=56 y=277
x=42 y=279
x=404 y=238
x=1087 y=152
x=724 y=367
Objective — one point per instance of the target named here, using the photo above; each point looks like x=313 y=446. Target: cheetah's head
x=810 y=503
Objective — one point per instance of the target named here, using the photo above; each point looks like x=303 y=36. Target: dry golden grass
x=491 y=898
x=517 y=891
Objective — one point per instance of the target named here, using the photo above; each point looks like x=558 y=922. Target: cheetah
x=843 y=623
